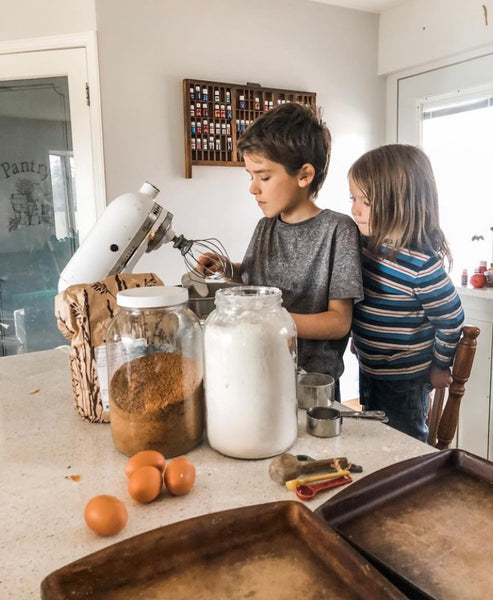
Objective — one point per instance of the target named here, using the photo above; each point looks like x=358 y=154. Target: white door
x=50 y=195
x=448 y=111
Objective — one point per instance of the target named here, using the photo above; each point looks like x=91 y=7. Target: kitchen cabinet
x=475 y=427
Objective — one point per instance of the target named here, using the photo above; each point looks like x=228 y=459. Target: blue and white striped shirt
x=411 y=315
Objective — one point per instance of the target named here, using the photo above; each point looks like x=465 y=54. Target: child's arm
x=443 y=308
x=331 y=324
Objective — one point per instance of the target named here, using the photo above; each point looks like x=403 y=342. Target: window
x=448 y=111
x=457 y=135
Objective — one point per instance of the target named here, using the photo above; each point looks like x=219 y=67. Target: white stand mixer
x=131 y=225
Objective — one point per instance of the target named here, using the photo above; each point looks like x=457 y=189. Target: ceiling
x=375 y=6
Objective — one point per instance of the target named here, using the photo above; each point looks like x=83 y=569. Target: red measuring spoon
x=308 y=491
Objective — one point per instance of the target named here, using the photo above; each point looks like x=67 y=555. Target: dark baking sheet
x=275 y=550
x=426 y=523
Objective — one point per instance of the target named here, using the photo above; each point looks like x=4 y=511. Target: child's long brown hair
x=399 y=183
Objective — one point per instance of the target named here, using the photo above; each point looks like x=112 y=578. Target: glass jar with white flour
x=250 y=373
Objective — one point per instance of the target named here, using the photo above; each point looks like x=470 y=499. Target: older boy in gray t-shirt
x=312 y=262
x=311 y=254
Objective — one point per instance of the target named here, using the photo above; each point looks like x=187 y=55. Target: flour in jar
x=250 y=383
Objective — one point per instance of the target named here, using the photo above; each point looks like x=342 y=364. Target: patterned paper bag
x=83 y=313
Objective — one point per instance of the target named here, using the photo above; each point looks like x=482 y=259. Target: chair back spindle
x=444 y=410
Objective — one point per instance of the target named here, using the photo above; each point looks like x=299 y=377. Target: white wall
x=421 y=31
x=36 y=18
x=146 y=48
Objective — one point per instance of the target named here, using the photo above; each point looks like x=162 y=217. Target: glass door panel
x=38 y=207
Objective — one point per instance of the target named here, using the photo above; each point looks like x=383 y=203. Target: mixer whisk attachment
x=220 y=264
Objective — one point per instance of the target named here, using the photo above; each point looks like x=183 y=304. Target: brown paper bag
x=83 y=313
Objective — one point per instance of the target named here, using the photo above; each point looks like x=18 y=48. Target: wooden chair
x=444 y=407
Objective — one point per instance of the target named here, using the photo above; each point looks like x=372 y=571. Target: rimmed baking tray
x=426 y=523
x=273 y=550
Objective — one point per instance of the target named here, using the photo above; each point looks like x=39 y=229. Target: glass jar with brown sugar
x=155 y=372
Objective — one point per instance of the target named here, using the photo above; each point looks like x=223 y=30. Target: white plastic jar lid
x=152 y=297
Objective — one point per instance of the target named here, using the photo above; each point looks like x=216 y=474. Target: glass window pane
x=458 y=138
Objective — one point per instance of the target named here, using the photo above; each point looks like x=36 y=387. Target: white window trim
x=465 y=96
x=88 y=41
x=392 y=99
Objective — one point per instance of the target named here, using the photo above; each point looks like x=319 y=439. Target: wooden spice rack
x=216 y=114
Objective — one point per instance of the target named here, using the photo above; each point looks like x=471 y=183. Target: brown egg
x=179 y=476
x=105 y=515
x=145 y=484
x=144 y=459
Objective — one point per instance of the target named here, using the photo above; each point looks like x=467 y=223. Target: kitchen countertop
x=477 y=304
x=484 y=292
x=52 y=463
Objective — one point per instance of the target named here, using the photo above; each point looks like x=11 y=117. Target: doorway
x=49 y=190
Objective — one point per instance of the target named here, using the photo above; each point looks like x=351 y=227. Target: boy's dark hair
x=292 y=135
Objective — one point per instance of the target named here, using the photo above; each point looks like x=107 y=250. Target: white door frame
x=87 y=41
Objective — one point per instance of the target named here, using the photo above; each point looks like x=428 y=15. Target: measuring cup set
x=315 y=394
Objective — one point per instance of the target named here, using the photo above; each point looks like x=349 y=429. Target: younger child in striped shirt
x=406 y=329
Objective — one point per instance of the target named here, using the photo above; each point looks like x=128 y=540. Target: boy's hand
x=440 y=378
x=209 y=263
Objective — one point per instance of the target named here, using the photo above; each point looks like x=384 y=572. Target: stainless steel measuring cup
x=314 y=389
x=322 y=421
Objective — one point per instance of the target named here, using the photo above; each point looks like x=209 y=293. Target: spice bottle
x=464 y=278
x=155 y=372
x=489 y=276
x=250 y=373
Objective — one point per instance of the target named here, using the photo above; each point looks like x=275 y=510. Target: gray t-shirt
x=312 y=262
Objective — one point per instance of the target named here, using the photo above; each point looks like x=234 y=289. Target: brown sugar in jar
x=155 y=373
x=157 y=404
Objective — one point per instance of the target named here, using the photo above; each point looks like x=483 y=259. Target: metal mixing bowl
x=202 y=307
